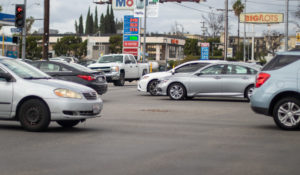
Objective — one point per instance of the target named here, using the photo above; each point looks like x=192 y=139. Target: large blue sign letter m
x=120 y=3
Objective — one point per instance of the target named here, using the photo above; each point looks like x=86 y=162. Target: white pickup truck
x=119 y=68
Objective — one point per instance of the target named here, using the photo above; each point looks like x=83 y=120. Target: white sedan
x=148 y=82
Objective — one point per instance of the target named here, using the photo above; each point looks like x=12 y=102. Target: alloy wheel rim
x=289 y=114
x=176 y=92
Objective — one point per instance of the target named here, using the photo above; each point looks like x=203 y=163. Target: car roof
x=289 y=53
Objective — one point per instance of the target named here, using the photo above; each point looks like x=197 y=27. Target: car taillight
x=86 y=77
x=261 y=79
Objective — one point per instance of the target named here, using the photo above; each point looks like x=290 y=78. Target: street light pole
x=24 y=33
x=226 y=30
x=245 y=32
x=145 y=22
x=286 y=29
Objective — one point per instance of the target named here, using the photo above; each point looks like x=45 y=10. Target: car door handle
x=217 y=77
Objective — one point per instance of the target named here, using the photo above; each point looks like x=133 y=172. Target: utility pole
x=226 y=30
x=24 y=33
x=203 y=29
x=46 y=30
x=145 y=25
x=245 y=32
x=286 y=29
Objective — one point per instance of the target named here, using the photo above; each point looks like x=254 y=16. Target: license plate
x=96 y=109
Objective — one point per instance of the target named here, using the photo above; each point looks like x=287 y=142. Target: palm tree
x=238 y=8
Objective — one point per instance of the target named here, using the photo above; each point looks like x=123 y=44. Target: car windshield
x=80 y=67
x=111 y=59
x=24 y=70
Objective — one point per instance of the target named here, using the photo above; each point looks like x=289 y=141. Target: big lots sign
x=123 y=4
x=261 y=18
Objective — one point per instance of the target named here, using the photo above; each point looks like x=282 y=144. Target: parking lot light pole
x=165 y=41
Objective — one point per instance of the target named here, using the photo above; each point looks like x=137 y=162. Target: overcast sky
x=63 y=14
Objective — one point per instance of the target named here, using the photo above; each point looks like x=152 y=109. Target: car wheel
x=34 y=115
x=249 y=91
x=152 y=87
x=177 y=91
x=286 y=113
x=68 y=123
x=121 y=81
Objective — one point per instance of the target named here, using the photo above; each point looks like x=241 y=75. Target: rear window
x=280 y=61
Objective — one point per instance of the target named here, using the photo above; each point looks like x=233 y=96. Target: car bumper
x=142 y=86
x=259 y=110
x=74 y=109
x=112 y=76
x=100 y=88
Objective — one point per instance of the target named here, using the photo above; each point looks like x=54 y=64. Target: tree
x=102 y=27
x=273 y=39
x=91 y=25
x=33 y=51
x=215 y=23
x=87 y=23
x=76 y=27
x=115 y=44
x=107 y=25
x=191 y=47
x=29 y=23
x=112 y=21
x=238 y=8
x=70 y=46
x=80 y=27
x=96 y=28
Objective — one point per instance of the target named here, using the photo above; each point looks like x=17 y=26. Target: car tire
x=121 y=81
x=34 y=115
x=177 y=91
x=249 y=91
x=285 y=113
x=152 y=87
x=68 y=123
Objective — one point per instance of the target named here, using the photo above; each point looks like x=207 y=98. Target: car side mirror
x=198 y=74
x=6 y=76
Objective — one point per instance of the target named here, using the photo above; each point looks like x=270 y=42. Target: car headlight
x=115 y=69
x=145 y=77
x=66 y=93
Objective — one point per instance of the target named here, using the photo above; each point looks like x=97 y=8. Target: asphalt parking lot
x=143 y=135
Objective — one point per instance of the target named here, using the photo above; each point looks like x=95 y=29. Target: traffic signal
x=20 y=16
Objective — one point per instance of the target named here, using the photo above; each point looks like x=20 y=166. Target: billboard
x=261 y=18
x=123 y=4
x=204 y=51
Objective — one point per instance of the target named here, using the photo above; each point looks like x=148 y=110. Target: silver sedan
x=217 y=79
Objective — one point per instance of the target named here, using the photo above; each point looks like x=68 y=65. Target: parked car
x=64 y=58
x=86 y=62
x=277 y=90
x=119 y=68
x=216 y=79
x=148 y=82
x=34 y=98
x=75 y=73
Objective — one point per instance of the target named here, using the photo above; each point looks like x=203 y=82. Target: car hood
x=103 y=65
x=56 y=84
x=159 y=74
